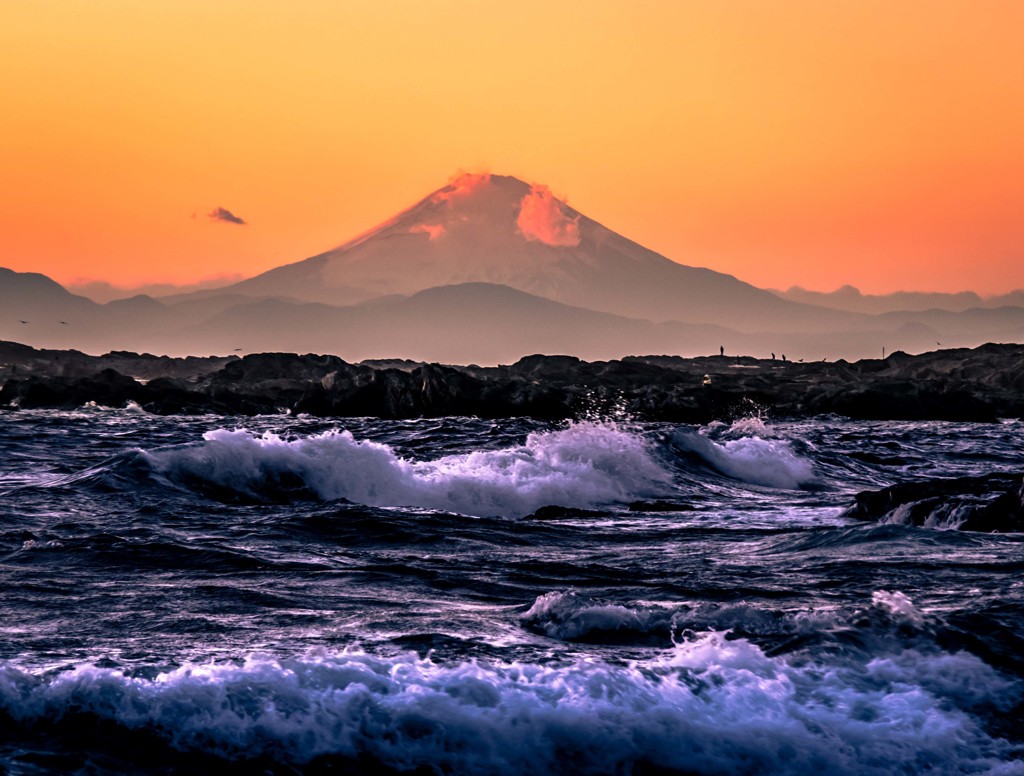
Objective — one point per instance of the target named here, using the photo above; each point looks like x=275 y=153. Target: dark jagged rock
x=660 y=506
x=992 y=503
x=265 y=383
x=956 y=385
x=404 y=364
x=108 y=388
x=903 y=400
x=21 y=361
x=554 y=512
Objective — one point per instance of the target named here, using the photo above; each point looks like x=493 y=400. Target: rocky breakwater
x=982 y=384
x=21 y=361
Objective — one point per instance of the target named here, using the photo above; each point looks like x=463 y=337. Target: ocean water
x=291 y=594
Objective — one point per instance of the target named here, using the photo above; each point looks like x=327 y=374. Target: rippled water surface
x=465 y=596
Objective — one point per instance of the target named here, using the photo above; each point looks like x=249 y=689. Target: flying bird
x=63 y=323
x=23 y=321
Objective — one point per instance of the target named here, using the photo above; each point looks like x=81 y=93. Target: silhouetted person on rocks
x=721 y=350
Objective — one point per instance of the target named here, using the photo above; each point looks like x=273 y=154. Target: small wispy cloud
x=225 y=215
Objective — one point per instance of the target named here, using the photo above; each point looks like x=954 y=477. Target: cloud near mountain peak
x=542 y=218
x=461 y=184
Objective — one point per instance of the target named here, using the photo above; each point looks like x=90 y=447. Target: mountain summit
x=498 y=229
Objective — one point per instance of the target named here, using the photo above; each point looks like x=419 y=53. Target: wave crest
x=752 y=459
x=584 y=465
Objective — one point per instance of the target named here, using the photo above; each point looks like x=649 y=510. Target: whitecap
x=584 y=465
x=711 y=705
x=769 y=462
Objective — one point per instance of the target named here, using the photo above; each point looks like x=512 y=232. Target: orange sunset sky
x=810 y=142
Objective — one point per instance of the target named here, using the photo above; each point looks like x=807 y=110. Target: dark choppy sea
x=283 y=595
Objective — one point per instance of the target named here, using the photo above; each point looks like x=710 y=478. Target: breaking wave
x=584 y=465
x=752 y=459
x=891 y=619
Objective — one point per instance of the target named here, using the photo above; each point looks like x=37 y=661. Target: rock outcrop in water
x=982 y=384
x=992 y=503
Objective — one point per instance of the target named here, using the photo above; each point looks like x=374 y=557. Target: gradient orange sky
x=810 y=142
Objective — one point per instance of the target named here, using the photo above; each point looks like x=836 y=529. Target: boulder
x=991 y=503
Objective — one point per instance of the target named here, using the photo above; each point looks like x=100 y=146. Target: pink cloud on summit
x=462 y=184
x=542 y=218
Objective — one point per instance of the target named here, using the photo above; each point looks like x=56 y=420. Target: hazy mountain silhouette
x=467 y=323
x=966 y=327
x=36 y=310
x=498 y=229
x=103 y=292
x=484 y=323
x=851 y=299
x=25 y=293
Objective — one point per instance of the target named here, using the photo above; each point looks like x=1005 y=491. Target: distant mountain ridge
x=851 y=299
x=466 y=323
x=482 y=323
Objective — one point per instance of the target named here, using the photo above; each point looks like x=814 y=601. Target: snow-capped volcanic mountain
x=498 y=229
x=485 y=269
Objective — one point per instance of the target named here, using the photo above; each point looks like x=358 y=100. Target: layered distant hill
x=486 y=270
x=852 y=300
x=466 y=323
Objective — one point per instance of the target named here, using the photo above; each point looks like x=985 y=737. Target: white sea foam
x=749 y=426
x=898 y=605
x=770 y=462
x=708 y=706
x=92 y=405
x=584 y=465
x=942 y=514
x=571 y=616
x=131 y=406
x=564 y=615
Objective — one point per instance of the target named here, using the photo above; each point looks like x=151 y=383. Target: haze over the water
x=790 y=143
